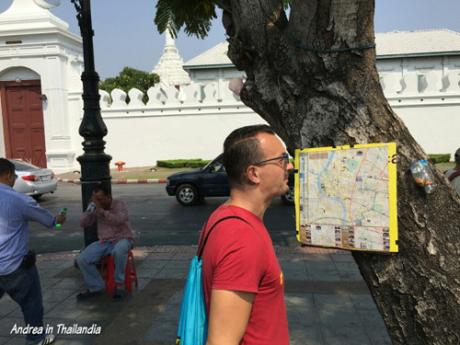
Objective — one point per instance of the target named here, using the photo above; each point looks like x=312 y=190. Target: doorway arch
x=22 y=112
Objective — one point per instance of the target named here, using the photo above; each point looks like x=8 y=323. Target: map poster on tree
x=345 y=197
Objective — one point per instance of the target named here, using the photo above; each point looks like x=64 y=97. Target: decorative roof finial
x=169 y=68
x=169 y=40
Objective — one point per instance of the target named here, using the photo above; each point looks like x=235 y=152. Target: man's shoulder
x=226 y=216
x=232 y=226
x=452 y=174
x=14 y=196
x=117 y=203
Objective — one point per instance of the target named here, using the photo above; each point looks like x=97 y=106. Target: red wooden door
x=23 y=121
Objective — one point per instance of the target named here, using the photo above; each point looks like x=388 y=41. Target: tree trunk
x=312 y=76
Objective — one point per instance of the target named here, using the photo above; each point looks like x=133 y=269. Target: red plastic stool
x=108 y=273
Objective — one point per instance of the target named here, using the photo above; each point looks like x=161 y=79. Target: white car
x=32 y=180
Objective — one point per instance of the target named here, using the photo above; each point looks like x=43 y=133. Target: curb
x=120 y=181
x=171 y=250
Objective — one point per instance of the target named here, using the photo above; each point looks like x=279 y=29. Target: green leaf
x=194 y=16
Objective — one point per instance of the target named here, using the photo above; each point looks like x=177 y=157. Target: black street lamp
x=94 y=162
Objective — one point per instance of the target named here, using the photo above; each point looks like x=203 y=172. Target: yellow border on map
x=297 y=193
x=392 y=187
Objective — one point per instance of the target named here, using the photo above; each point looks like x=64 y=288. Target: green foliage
x=130 y=78
x=437 y=158
x=194 y=15
x=182 y=163
x=286 y=4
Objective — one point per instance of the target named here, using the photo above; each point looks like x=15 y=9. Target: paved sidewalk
x=328 y=303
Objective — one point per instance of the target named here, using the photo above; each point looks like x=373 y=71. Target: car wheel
x=37 y=196
x=187 y=195
x=288 y=198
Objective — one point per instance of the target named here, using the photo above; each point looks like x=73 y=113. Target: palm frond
x=195 y=16
x=286 y=4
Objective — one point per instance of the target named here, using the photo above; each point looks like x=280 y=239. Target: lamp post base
x=95 y=170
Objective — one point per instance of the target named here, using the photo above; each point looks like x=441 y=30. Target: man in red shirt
x=243 y=281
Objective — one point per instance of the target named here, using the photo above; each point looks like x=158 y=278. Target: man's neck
x=249 y=200
x=6 y=183
x=457 y=166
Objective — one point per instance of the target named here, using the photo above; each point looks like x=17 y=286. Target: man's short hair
x=6 y=167
x=457 y=156
x=241 y=149
x=102 y=188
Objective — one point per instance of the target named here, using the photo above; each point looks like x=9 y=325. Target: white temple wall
x=194 y=122
x=141 y=141
x=436 y=127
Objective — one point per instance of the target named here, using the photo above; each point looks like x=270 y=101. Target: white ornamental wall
x=436 y=127
x=425 y=93
x=192 y=123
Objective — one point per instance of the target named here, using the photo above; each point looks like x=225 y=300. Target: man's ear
x=252 y=174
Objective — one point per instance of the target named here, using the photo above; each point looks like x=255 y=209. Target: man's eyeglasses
x=283 y=159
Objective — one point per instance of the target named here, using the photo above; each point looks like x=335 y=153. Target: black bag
x=29 y=260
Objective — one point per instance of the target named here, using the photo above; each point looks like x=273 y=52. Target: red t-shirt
x=240 y=257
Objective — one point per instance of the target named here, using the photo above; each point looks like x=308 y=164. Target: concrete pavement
x=327 y=301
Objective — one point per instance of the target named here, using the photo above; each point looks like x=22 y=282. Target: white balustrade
x=157 y=96
x=210 y=92
x=105 y=99
x=453 y=82
x=135 y=98
x=118 y=98
x=396 y=83
x=190 y=94
x=172 y=94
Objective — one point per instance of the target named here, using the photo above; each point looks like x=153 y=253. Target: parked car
x=191 y=187
x=32 y=180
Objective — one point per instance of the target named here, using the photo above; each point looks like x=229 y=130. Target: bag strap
x=454 y=175
x=201 y=247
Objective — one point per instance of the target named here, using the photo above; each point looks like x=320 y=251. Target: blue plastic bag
x=193 y=321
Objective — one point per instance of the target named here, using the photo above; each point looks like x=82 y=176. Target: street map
x=346 y=197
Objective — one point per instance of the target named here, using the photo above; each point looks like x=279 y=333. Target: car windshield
x=23 y=166
x=217 y=160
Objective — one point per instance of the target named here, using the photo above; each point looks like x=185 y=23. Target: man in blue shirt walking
x=18 y=274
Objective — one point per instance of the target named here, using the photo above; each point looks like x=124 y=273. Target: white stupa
x=170 y=67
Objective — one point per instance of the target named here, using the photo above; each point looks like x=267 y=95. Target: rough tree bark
x=312 y=76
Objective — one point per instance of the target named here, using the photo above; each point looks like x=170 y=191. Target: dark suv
x=190 y=187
